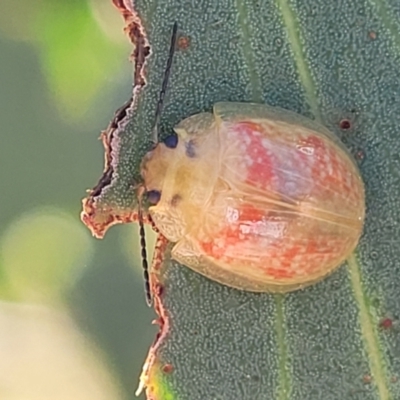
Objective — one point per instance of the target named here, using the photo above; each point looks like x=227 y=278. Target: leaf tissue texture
x=333 y=61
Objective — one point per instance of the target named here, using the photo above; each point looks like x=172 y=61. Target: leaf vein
x=297 y=43
x=248 y=53
x=369 y=333
x=285 y=386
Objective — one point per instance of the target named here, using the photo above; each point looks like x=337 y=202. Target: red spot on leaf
x=345 y=124
x=183 y=42
x=167 y=368
x=367 y=379
x=386 y=323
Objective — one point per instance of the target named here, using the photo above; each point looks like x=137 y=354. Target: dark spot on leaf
x=255 y=378
x=183 y=42
x=375 y=302
x=167 y=368
x=386 y=323
x=367 y=379
x=345 y=124
x=374 y=255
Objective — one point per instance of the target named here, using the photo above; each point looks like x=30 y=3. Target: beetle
x=255 y=197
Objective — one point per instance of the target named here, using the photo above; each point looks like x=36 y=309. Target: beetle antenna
x=164 y=83
x=145 y=264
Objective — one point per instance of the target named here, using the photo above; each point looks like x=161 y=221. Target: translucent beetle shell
x=256 y=197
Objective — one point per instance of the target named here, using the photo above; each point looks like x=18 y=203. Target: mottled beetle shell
x=256 y=197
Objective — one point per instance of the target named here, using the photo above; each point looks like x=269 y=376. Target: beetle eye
x=171 y=141
x=153 y=196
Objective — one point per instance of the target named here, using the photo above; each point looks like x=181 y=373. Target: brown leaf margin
x=99 y=217
x=151 y=378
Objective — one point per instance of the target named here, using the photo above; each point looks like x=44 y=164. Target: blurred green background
x=73 y=319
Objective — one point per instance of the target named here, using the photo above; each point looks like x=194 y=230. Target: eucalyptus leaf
x=336 y=62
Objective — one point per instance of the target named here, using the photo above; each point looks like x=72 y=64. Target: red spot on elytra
x=249 y=213
x=314 y=142
x=261 y=170
x=291 y=251
x=232 y=234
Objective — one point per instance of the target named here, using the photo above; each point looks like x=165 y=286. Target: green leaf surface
x=332 y=61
